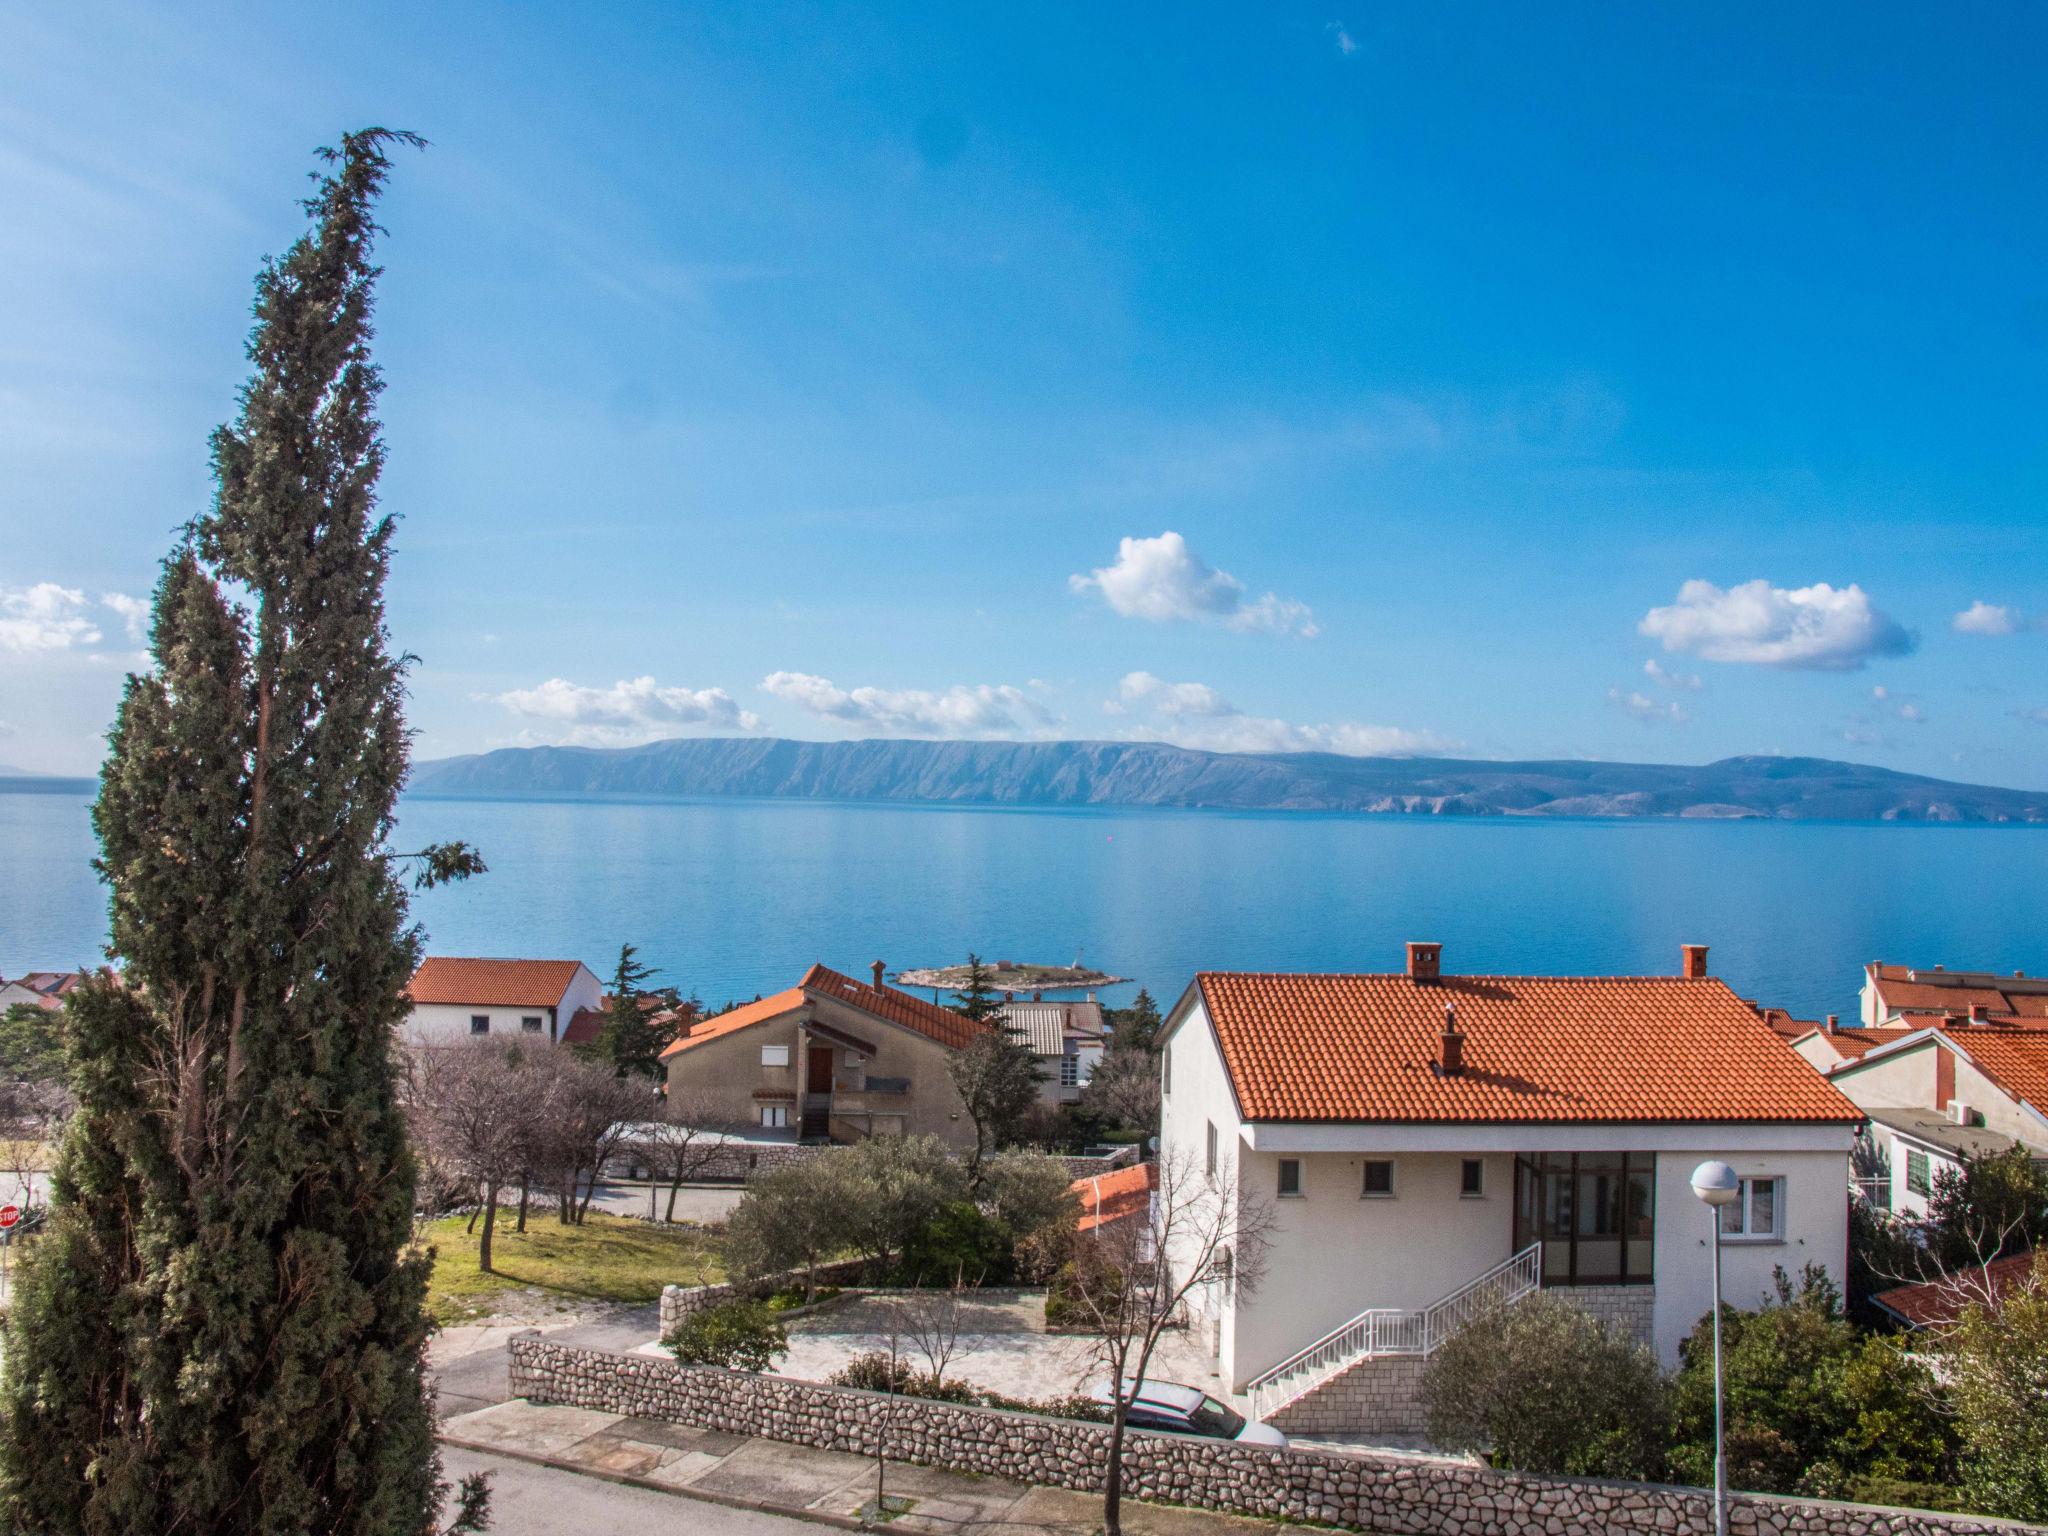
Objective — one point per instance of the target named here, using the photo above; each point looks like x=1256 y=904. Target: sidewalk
x=829 y=1487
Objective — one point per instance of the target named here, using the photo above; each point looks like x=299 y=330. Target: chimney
x=1979 y=1012
x=1693 y=965
x=879 y=967
x=1451 y=1059
x=1834 y=1022
x=1038 y=994
x=1951 y=1020
x=1425 y=961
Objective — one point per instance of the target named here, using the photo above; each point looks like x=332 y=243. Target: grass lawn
x=605 y=1259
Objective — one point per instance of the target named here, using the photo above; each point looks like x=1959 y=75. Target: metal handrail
x=1396 y=1330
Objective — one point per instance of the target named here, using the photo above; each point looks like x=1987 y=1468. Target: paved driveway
x=1002 y=1345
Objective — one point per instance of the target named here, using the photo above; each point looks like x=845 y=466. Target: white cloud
x=964 y=710
x=1982 y=618
x=134 y=612
x=1341 y=36
x=1164 y=581
x=1640 y=706
x=1898 y=704
x=626 y=712
x=45 y=617
x=1196 y=715
x=1677 y=682
x=1832 y=629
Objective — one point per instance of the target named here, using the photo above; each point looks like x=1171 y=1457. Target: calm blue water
x=735 y=897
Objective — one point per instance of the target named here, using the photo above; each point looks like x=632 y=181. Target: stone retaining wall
x=1375 y=1493
x=1381 y=1396
x=1080 y=1167
x=1631 y=1308
x=679 y=1301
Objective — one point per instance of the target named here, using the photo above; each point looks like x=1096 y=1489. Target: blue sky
x=1405 y=379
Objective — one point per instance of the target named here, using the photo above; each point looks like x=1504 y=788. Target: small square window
x=1379 y=1180
x=1919 y=1173
x=531 y=1023
x=479 y=1023
x=1290 y=1178
x=774 y=1055
x=775 y=1117
x=1472 y=1178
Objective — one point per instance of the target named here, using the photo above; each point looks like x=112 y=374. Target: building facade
x=457 y=999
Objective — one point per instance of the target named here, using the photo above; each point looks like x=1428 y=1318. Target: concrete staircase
x=1382 y=1332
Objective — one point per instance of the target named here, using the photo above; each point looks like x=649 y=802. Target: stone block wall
x=1629 y=1307
x=1374 y=1493
x=679 y=1301
x=1380 y=1396
x=1080 y=1167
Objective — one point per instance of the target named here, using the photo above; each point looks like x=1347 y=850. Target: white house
x=462 y=999
x=1915 y=996
x=1429 y=1141
x=39 y=989
x=1066 y=1039
x=1977 y=1084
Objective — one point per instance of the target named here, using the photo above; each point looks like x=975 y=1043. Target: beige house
x=1428 y=1143
x=1066 y=1041
x=831 y=1059
x=1935 y=1095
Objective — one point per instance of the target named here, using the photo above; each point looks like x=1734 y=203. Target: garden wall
x=1377 y=1493
x=679 y=1301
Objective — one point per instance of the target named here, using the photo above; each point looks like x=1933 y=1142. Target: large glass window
x=1594 y=1213
x=1919 y=1175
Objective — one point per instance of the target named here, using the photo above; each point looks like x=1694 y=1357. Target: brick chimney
x=1834 y=1022
x=1451 y=1055
x=879 y=967
x=1693 y=961
x=1425 y=961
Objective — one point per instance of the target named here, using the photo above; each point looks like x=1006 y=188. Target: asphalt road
x=481 y=1377
x=527 y=1500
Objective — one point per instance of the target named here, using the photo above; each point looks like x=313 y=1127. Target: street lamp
x=1716 y=1184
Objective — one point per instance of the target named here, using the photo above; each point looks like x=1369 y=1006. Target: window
x=1919 y=1173
x=1472 y=1178
x=1290 y=1178
x=1757 y=1212
x=479 y=1023
x=1165 y=1073
x=1211 y=1163
x=531 y=1023
x=1594 y=1213
x=1070 y=1071
x=1379 y=1180
x=775 y=1117
x=774 y=1055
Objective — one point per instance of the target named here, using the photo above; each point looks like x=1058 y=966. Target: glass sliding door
x=1594 y=1212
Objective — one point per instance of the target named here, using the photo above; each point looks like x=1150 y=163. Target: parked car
x=1169 y=1408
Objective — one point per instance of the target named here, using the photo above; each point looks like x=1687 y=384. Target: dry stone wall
x=679 y=1301
x=1375 y=1493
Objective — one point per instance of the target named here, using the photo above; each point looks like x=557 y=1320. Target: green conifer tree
x=223 y=1329
x=995 y=1073
x=631 y=1043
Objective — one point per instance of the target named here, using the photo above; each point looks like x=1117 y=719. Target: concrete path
x=530 y=1500
x=770 y=1477
x=471 y=1369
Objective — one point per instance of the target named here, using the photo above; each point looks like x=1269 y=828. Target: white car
x=1168 y=1408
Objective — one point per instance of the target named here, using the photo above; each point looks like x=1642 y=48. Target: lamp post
x=1715 y=1183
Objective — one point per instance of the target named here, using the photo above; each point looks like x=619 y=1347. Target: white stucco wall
x=448 y=1023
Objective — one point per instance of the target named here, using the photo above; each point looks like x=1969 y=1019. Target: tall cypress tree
x=223 y=1329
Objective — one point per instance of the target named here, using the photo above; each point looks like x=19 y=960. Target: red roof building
x=456 y=998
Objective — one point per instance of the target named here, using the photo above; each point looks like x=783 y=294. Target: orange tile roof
x=492 y=983
x=2014 y=1056
x=1911 y=989
x=887 y=1003
x=1108 y=1197
x=1784 y=1026
x=1537 y=1048
x=929 y=1019
x=584 y=1028
x=1938 y=1303
x=735 y=1019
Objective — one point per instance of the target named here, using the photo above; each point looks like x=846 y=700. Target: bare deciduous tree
x=590 y=1111
x=469 y=1109
x=684 y=1144
x=1132 y=1279
x=930 y=1322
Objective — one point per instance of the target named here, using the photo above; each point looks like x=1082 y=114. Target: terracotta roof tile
x=492 y=983
x=1909 y=989
x=1938 y=1303
x=1108 y=1197
x=584 y=1028
x=2014 y=1056
x=1537 y=1048
x=734 y=1019
x=940 y=1024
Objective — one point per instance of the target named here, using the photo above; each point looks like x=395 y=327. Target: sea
x=732 y=898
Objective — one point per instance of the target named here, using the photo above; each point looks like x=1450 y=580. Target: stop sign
x=9 y=1215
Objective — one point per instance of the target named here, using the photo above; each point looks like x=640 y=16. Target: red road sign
x=9 y=1215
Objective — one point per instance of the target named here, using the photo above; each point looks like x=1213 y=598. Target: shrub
x=958 y=1245
x=1027 y=1191
x=792 y=1297
x=1998 y=1364
x=1543 y=1387
x=735 y=1335
x=1061 y=1308
x=1994 y=1204
x=875 y=1372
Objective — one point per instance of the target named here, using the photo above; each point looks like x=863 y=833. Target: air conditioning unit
x=1961 y=1113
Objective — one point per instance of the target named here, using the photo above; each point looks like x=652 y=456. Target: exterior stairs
x=1392 y=1331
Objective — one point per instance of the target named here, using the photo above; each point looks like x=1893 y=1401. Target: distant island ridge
x=1118 y=773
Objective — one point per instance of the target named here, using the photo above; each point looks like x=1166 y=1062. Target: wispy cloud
x=627 y=712
x=1677 y=682
x=1341 y=36
x=1982 y=618
x=45 y=617
x=1824 y=628
x=964 y=710
x=1901 y=706
x=1196 y=715
x=1163 y=580
x=1640 y=706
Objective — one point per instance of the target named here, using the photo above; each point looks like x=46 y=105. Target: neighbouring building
x=1105 y=1199
x=1915 y=997
x=1066 y=1041
x=1430 y=1142
x=831 y=1059
x=1939 y=1303
x=1962 y=1086
x=40 y=989
x=455 y=999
